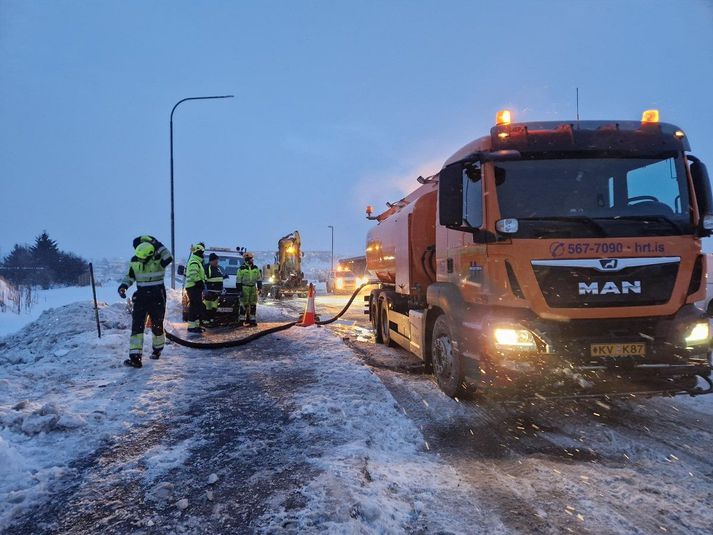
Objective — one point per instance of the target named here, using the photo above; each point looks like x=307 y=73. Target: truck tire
x=446 y=361
x=384 y=323
x=374 y=317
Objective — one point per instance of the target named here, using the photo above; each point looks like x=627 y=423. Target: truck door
x=470 y=259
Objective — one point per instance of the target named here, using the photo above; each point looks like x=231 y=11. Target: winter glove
x=122 y=291
x=239 y=287
x=259 y=285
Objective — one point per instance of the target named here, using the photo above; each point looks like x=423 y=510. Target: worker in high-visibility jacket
x=195 y=284
x=147 y=269
x=214 y=287
x=249 y=281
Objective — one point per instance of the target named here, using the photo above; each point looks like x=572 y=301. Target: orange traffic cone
x=308 y=318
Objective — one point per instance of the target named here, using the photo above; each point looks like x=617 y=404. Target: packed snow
x=302 y=432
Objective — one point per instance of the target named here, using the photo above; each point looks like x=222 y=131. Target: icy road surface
x=312 y=430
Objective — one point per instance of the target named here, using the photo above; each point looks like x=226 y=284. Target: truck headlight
x=514 y=339
x=699 y=334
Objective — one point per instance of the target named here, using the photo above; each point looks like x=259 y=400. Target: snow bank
x=11 y=322
x=62 y=392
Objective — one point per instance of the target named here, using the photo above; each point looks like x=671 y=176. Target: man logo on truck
x=609 y=263
x=609 y=287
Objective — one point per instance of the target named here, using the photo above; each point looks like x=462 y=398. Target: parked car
x=230 y=261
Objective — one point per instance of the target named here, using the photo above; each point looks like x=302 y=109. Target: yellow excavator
x=285 y=278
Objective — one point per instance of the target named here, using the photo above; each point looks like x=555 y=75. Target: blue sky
x=338 y=104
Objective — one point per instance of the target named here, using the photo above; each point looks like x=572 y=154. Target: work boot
x=253 y=323
x=156 y=354
x=133 y=362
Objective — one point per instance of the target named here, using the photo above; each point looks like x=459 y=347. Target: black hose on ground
x=194 y=344
x=349 y=303
x=228 y=343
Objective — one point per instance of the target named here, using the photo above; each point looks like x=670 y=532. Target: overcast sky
x=338 y=104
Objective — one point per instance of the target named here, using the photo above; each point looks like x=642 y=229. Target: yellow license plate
x=618 y=350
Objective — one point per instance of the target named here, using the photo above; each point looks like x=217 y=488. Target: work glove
x=259 y=285
x=122 y=291
x=239 y=287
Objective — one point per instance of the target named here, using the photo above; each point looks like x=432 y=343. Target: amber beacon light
x=650 y=116
x=503 y=117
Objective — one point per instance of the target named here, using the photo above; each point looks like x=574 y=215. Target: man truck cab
x=553 y=258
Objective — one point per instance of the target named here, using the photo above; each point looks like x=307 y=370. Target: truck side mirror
x=450 y=196
x=704 y=196
x=181 y=270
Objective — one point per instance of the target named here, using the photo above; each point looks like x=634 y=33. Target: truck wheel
x=384 y=323
x=374 y=314
x=447 y=362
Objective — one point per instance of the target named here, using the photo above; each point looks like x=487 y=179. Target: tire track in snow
x=490 y=443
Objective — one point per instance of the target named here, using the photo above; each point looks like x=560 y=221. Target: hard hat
x=213 y=256
x=248 y=256
x=145 y=250
x=198 y=247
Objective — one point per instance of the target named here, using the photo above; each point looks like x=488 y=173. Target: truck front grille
x=588 y=287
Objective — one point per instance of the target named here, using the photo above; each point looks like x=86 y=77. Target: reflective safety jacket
x=195 y=272
x=214 y=278
x=249 y=276
x=150 y=273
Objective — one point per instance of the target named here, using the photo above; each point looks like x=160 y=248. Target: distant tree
x=16 y=263
x=70 y=268
x=43 y=264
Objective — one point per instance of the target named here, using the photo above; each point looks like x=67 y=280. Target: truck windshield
x=595 y=196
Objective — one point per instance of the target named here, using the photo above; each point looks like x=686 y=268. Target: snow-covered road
x=297 y=434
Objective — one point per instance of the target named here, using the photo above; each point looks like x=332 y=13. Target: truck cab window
x=655 y=183
x=473 y=198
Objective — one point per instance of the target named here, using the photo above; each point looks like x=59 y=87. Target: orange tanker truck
x=552 y=258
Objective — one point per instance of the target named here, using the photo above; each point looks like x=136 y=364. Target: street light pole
x=332 y=227
x=173 y=218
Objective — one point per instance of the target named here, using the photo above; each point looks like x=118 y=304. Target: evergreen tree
x=70 y=268
x=45 y=255
x=43 y=264
x=45 y=251
x=16 y=264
